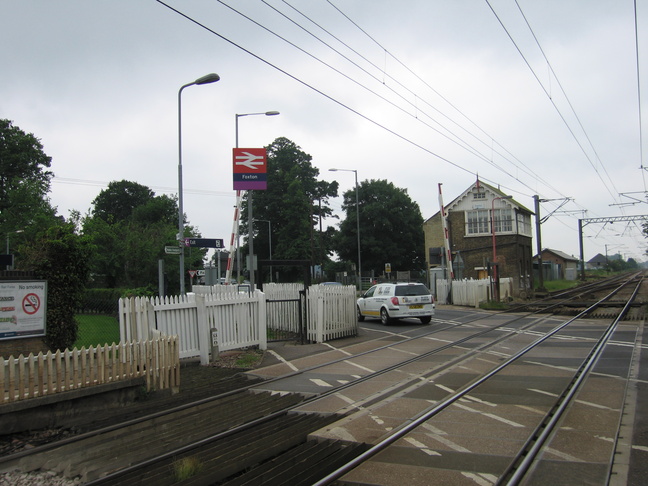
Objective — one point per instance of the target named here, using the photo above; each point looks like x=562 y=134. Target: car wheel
x=426 y=320
x=384 y=316
x=360 y=316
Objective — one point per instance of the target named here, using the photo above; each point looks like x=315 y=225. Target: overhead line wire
x=304 y=83
x=468 y=147
x=413 y=73
x=569 y=103
x=550 y=98
x=385 y=73
x=338 y=102
x=171 y=190
x=387 y=52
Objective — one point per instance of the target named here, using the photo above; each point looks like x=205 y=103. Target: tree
x=391 y=228
x=24 y=183
x=294 y=202
x=60 y=256
x=130 y=226
x=118 y=201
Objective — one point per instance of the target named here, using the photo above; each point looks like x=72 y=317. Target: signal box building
x=481 y=222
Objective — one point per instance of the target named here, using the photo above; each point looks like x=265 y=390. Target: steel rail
x=516 y=472
x=63 y=442
x=421 y=418
x=197 y=444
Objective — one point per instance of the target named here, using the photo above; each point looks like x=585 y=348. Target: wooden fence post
x=204 y=335
x=263 y=320
x=319 y=324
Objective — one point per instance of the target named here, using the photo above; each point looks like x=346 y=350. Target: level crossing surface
x=609 y=419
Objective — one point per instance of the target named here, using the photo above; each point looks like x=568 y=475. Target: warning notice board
x=22 y=308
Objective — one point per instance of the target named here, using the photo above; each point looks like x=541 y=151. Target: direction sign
x=250 y=169
x=172 y=250
x=204 y=242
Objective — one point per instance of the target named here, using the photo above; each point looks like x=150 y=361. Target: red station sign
x=250 y=169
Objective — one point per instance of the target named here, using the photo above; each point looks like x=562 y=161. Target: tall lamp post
x=495 y=274
x=250 y=216
x=207 y=79
x=269 y=242
x=357 y=221
x=10 y=267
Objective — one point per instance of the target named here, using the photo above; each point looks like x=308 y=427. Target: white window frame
x=477 y=222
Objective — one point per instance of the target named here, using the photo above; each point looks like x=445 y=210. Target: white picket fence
x=32 y=376
x=470 y=292
x=220 y=318
x=333 y=310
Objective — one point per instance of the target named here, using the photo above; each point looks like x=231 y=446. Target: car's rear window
x=412 y=290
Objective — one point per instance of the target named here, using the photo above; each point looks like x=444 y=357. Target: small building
x=599 y=262
x=558 y=265
x=484 y=223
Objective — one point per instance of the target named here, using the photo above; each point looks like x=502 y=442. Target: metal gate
x=287 y=319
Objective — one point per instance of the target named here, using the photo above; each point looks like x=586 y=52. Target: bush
x=61 y=257
x=100 y=301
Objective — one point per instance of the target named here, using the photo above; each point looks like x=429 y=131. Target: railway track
x=272 y=441
x=536 y=444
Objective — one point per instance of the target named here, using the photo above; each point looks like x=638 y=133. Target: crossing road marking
x=359 y=366
x=281 y=358
x=319 y=382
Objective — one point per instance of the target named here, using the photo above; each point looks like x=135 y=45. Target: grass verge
x=96 y=330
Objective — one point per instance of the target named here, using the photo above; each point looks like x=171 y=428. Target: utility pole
x=536 y=200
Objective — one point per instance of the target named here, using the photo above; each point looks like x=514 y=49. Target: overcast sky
x=416 y=92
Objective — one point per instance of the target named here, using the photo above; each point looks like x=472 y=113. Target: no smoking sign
x=31 y=303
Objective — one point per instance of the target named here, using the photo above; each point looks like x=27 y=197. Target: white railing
x=221 y=318
x=233 y=316
x=32 y=376
x=332 y=309
x=470 y=292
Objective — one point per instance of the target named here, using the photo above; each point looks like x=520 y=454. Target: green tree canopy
x=118 y=201
x=24 y=183
x=391 y=228
x=130 y=226
x=293 y=203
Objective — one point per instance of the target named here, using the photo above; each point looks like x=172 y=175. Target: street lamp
x=357 y=221
x=250 y=217
x=269 y=242
x=495 y=274
x=10 y=267
x=207 y=79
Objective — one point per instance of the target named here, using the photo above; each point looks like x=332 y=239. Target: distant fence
x=220 y=317
x=470 y=292
x=39 y=375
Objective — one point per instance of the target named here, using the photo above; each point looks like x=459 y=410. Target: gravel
x=194 y=377
x=36 y=479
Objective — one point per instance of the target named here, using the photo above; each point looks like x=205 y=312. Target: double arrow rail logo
x=249 y=160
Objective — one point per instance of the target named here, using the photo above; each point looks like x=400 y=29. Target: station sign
x=204 y=242
x=250 y=169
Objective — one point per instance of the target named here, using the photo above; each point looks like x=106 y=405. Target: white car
x=390 y=301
